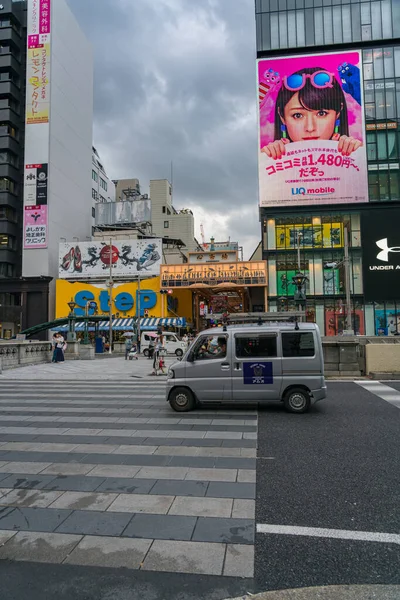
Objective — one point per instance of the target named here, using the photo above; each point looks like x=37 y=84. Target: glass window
x=366 y=33
x=390 y=102
x=365 y=13
x=166 y=224
x=384 y=185
x=376 y=20
x=297 y=344
x=328 y=33
x=210 y=347
x=6 y=185
x=274 y=31
x=380 y=104
x=301 y=34
x=373 y=186
x=378 y=63
x=257 y=345
x=319 y=26
x=346 y=23
x=283 y=34
x=292 y=28
x=337 y=24
x=388 y=62
x=93 y=212
x=394 y=180
x=386 y=19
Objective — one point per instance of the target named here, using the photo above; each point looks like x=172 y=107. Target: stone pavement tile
x=201 y=507
x=176 y=451
x=243 y=509
x=4 y=491
x=224 y=435
x=68 y=469
x=95 y=523
x=218 y=489
x=138 y=503
x=37 y=482
x=134 y=449
x=5 y=536
x=75 y=483
x=246 y=476
x=185 y=557
x=84 y=501
x=160 y=441
x=145 y=461
x=162 y=473
x=161 y=527
x=40 y=547
x=239 y=443
x=109 y=552
x=212 y=474
x=248 y=452
x=126 y=485
x=32 y=498
x=93 y=448
x=229 y=422
x=180 y=488
x=25 y=467
x=50 y=430
x=114 y=471
x=227 y=462
x=32 y=519
x=250 y=436
x=99 y=459
x=204 y=462
x=239 y=561
x=229 y=531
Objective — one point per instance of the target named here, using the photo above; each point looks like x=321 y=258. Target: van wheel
x=179 y=352
x=297 y=400
x=146 y=352
x=182 y=400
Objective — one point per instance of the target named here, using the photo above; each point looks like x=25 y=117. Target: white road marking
x=381 y=390
x=340 y=534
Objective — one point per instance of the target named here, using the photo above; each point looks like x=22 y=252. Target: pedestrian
x=152 y=346
x=128 y=347
x=156 y=361
x=54 y=346
x=60 y=343
x=103 y=341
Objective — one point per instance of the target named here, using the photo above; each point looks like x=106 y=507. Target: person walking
x=54 y=346
x=128 y=347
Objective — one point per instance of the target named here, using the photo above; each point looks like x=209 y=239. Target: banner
x=35 y=227
x=37 y=84
x=328 y=235
x=35 y=185
x=129 y=258
x=311 y=130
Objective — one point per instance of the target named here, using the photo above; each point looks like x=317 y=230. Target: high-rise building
x=46 y=104
x=103 y=189
x=305 y=228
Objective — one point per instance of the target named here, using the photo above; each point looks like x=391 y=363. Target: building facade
x=46 y=99
x=103 y=188
x=313 y=237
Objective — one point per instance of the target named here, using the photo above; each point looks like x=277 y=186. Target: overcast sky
x=175 y=81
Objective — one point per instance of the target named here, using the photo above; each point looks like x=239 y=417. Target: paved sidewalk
x=337 y=592
x=107 y=368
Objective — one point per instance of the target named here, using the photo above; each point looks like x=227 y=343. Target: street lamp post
x=162 y=294
x=110 y=286
x=71 y=337
x=299 y=280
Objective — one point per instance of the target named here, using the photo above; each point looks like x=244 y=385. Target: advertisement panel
x=37 y=124
x=129 y=258
x=381 y=254
x=116 y=213
x=328 y=235
x=35 y=227
x=311 y=130
x=191 y=275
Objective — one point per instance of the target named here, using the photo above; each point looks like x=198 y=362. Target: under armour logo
x=384 y=255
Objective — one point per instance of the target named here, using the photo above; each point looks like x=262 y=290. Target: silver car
x=282 y=362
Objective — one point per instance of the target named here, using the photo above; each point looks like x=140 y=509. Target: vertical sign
x=37 y=124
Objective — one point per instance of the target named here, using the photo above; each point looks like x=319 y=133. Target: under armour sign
x=381 y=254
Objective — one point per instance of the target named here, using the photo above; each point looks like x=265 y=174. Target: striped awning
x=126 y=324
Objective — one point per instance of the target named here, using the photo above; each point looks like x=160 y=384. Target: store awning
x=125 y=324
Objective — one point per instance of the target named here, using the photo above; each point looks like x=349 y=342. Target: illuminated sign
x=239 y=273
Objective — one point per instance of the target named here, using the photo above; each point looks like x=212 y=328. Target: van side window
x=210 y=347
x=258 y=345
x=297 y=344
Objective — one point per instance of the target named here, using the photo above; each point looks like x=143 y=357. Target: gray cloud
x=175 y=80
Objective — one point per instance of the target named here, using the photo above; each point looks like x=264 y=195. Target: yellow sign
x=240 y=273
x=38 y=85
x=124 y=298
x=328 y=235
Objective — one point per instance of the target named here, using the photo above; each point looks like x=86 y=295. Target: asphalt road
x=337 y=467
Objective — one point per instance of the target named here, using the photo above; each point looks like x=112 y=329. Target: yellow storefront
x=153 y=304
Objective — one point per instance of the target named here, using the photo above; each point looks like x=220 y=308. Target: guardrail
x=20 y=354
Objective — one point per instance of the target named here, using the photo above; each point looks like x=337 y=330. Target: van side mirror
x=190 y=357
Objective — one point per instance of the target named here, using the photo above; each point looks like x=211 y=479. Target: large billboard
x=117 y=213
x=37 y=124
x=311 y=130
x=214 y=275
x=128 y=258
x=380 y=237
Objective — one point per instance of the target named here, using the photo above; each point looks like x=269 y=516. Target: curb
x=335 y=592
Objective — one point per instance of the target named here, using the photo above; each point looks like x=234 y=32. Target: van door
x=257 y=367
x=301 y=359
x=209 y=375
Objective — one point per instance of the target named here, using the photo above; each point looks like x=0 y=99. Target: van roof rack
x=259 y=317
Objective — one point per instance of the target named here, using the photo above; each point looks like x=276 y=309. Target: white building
x=58 y=136
x=103 y=188
x=166 y=220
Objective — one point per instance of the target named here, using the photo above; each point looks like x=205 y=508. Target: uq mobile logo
x=384 y=254
x=322 y=191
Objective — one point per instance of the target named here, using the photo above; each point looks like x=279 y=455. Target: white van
x=172 y=343
x=280 y=362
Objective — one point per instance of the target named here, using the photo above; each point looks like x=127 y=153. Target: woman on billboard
x=311 y=106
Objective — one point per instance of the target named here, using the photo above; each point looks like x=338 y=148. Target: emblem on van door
x=259 y=373
x=383 y=245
